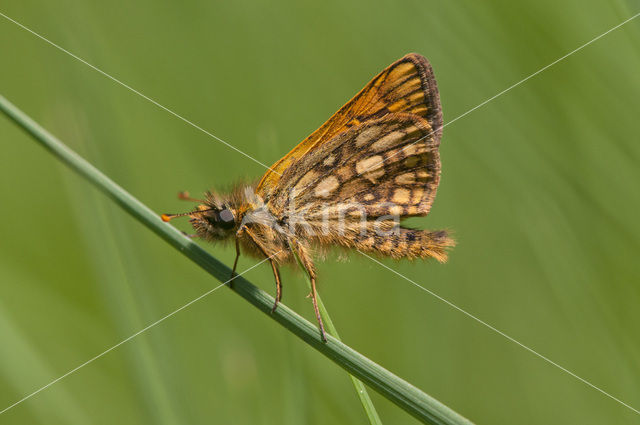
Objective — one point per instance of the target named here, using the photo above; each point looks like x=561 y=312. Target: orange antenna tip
x=167 y=217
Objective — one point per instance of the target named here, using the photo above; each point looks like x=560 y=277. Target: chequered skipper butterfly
x=348 y=184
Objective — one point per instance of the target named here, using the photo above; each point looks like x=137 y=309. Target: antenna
x=167 y=217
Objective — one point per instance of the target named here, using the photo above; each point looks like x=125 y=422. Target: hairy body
x=348 y=184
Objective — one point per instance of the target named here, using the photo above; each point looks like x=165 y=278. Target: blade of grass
x=361 y=390
x=411 y=399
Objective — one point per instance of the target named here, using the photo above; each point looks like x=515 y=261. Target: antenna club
x=167 y=217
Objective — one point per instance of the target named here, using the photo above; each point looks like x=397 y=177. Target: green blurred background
x=540 y=187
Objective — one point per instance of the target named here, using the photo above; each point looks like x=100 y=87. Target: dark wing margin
x=406 y=86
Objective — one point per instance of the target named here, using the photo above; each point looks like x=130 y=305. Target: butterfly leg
x=235 y=262
x=310 y=269
x=314 y=294
x=274 y=267
x=276 y=273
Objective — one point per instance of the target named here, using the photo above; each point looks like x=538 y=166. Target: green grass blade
x=361 y=390
x=397 y=390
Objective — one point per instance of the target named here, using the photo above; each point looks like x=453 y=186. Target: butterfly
x=348 y=184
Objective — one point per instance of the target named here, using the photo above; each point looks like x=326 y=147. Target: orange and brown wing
x=386 y=166
x=406 y=86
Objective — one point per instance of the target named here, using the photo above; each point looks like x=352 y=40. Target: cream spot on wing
x=406 y=178
x=411 y=149
x=414 y=133
x=423 y=150
x=395 y=210
x=412 y=210
x=308 y=179
x=373 y=176
x=326 y=186
x=366 y=136
x=422 y=174
x=369 y=197
x=387 y=141
x=344 y=172
x=401 y=196
x=328 y=161
x=369 y=164
x=417 y=195
x=371 y=168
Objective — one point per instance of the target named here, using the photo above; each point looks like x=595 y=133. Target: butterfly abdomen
x=408 y=243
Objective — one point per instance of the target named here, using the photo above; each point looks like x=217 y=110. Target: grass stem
x=411 y=399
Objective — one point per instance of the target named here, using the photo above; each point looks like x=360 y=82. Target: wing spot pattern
x=367 y=135
x=417 y=195
x=401 y=196
x=371 y=168
x=327 y=186
x=387 y=141
x=406 y=179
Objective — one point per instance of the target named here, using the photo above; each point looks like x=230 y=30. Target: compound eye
x=226 y=218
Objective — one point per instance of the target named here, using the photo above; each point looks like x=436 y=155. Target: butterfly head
x=212 y=220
